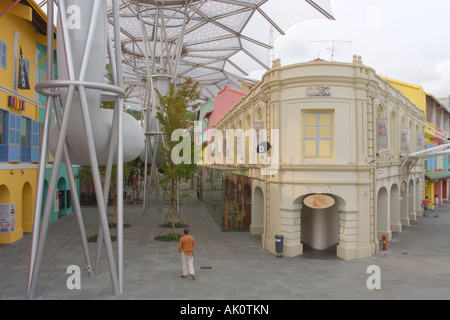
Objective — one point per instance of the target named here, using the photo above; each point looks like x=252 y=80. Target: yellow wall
x=413 y=92
x=429 y=191
x=15 y=184
x=18 y=181
x=416 y=95
x=27 y=40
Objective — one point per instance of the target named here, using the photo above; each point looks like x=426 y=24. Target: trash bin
x=279 y=245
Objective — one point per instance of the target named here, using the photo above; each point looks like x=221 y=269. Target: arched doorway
x=27 y=208
x=257 y=226
x=394 y=209
x=6 y=223
x=319 y=225
x=4 y=194
x=411 y=200
x=60 y=205
x=383 y=214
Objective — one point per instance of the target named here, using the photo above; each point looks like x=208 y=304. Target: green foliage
x=175 y=112
x=173 y=236
x=129 y=169
x=111 y=104
x=135 y=113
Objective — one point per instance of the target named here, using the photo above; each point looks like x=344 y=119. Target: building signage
x=16 y=103
x=382 y=141
x=24 y=80
x=420 y=142
x=318 y=91
x=319 y=201
x=7 y=217
x=404 y=139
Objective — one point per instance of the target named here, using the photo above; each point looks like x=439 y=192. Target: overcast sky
x=408 y=40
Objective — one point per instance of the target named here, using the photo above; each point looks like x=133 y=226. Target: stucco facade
x=19 y=141
x=22 y=36
x=325 y=149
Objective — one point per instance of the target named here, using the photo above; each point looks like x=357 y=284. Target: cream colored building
x=335 y=186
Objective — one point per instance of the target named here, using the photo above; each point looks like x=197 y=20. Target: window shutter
x=14 y=138
x=34 y=141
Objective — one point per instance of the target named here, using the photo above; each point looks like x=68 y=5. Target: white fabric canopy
x=222 y=41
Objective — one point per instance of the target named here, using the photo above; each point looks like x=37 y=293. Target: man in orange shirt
x=186 y=248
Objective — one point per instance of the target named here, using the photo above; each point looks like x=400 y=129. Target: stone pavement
x=229 y=266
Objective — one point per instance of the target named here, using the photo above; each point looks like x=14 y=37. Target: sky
x=407 y=40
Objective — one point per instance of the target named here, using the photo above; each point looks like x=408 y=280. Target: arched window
x=382 y=132
x=259 y=114
x=248 y=122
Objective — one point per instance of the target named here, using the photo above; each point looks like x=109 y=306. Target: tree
x=175 y=112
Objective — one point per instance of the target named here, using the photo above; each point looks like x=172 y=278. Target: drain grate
x=206 y=268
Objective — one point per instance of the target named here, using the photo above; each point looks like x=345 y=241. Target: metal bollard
x=279 y=245
x=384 y=242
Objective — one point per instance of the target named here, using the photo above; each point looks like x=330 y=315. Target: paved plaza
x=229 y=266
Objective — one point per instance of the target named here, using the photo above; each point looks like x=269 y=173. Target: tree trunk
x=173 y=205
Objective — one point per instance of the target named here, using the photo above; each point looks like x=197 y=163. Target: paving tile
x=414 y=267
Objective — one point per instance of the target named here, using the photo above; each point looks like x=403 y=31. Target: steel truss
x=206 y=40
x=156 y=42
x=51 y=88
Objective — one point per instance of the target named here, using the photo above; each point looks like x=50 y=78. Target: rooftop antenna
x=333 y=45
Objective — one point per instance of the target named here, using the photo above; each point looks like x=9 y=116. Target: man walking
x=436 y=205
x=426 y=203
x=186 y=248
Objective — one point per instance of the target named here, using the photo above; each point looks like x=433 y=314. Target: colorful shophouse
x=437 y=131
x=22 y=64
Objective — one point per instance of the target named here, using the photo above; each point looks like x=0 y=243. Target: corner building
x=341 y=182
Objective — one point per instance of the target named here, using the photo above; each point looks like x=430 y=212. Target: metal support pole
x=43 y=156
x=119 y=106
x=50 y=193
x=75 y=199
x=98 y=188
x=39 y=192
x=61 y=150
x=120 y=194
x=106 y=188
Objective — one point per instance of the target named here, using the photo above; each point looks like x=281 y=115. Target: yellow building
x=22 y=27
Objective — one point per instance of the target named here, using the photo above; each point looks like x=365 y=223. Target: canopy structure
x=441 y=150
x=149 y=44
x=214 y=42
